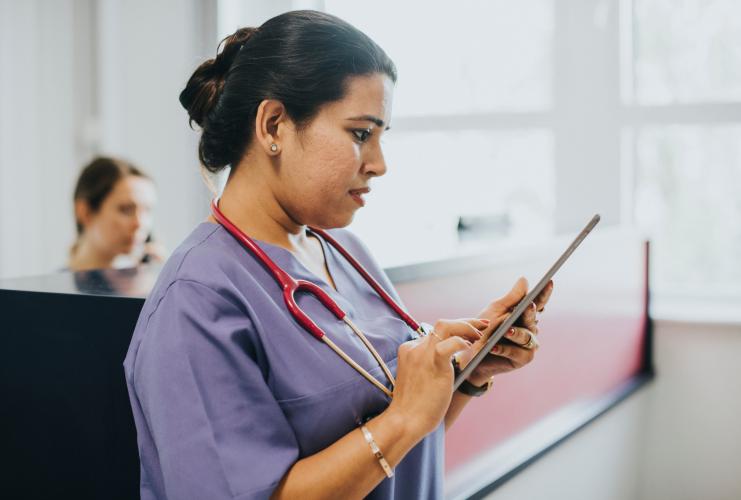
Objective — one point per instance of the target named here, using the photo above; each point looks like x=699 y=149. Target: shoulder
x=204 y=279
x=207 y=259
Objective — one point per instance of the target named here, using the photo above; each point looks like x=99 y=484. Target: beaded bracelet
x=376 y=451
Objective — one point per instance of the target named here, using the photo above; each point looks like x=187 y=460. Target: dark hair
x=97 y=180
x=301 y=58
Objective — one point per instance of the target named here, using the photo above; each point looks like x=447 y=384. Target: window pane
x=435 y=177
x=688 y=180
x=463 y=57
x=687 y=51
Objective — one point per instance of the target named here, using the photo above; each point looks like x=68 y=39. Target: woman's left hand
x=154 y=252
x=509 y=353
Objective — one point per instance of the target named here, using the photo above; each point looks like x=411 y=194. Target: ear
x=272 y=125
x=83 y=213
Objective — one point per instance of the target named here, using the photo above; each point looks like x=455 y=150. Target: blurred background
x=528 y=115
x=522 y=117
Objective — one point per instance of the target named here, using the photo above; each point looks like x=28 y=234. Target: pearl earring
x=274 y=147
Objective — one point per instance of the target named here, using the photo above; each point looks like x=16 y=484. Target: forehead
x=365 y=95
x=134 y=188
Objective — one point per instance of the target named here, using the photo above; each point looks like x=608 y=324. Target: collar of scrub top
x=291 y=286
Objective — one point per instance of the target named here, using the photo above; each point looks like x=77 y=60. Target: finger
x=479 y=324
x=518 y=335
x=542 y=299
x=472 y=328
x=448 y=347
x=517 y=355
x=495 y=321
x=434 y=336
x=457 y=328
x=152 y=252
x=515 y=295
x=528 y=318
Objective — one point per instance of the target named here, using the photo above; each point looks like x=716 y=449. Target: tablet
x=523 y=304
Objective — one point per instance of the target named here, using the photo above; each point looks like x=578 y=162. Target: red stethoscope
x=291 y=286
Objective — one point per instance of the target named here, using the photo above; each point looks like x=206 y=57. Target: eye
x=362 y=134
x=127 y=209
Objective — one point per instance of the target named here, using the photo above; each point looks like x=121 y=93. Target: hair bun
x=203 y=89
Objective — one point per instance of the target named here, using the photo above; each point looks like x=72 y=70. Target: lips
x=357 y=195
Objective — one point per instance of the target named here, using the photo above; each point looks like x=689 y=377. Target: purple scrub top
x=228 y=391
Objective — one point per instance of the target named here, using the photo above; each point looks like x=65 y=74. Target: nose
x=137 y=220
x=375 y=164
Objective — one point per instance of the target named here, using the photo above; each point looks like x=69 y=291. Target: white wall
x=148 y=50
x=679 y=438
x=40 y=113
x=586 y=115
x=598 y=463
x=84 y=77
x=692 y=443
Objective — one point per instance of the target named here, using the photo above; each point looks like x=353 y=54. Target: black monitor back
x=68 y=426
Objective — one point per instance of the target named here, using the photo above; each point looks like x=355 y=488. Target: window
x=536 y=114
x=436 y=176
x=687 y=52
x=470 y=74
x=684 y=114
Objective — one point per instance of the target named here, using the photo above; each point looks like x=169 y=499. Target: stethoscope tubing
x=290 y=286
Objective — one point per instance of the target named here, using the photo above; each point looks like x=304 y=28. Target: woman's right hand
x=424 y=375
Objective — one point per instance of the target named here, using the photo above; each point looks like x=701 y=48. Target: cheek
x=117 y=228
x=332 y=167
x=103 y=230
x=322 y=172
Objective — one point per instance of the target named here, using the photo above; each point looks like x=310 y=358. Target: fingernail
x=535 y=308
x=510 y=332
x=485 y=321
x=495 y=349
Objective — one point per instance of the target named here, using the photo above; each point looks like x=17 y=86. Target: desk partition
x=595 y=349
x=69 y=428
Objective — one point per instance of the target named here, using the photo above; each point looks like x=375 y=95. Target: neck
x=248 y=201
x=86 y=257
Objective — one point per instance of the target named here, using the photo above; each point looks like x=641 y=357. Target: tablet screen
x=523 y=304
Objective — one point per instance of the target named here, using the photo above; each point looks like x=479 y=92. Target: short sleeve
x=217 y=430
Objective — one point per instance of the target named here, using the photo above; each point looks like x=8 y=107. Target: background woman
x=113 y=202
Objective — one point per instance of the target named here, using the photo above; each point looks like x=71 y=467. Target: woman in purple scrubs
x=232 y=398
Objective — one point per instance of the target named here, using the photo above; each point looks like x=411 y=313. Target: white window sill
x=720 y=311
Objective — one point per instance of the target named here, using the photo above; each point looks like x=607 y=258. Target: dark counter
x=68 y=424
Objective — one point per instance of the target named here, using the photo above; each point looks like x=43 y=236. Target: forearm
x=460 y=400
x=457 y=404
x=348 y=468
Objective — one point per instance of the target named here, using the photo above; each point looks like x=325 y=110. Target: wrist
x=470 y=389
x=405 y=426
x=479 y=380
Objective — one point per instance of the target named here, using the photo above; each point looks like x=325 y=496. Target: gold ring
x=532 y=343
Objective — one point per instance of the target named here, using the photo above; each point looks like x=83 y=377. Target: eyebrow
x=369 y=118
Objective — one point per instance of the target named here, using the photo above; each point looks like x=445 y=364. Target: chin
x=340 y=223
x=128 y=249
x=333 y=221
